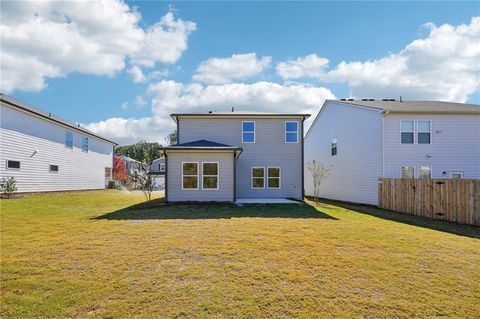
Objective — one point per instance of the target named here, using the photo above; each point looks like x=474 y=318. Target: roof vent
x=343 y=99
x=350 y=100
x=393 y=100
x=78 y=124
x=385 y=99
x=210 y=112
x=233 y=109
x=364 y=99
x=371 y=99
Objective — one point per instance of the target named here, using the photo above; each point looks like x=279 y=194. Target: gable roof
x=49 y=116
x=414 y=106
x=175 y=116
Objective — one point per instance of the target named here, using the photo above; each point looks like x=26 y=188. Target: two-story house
x=361 y=141
x=46 y=153
x=233 y=155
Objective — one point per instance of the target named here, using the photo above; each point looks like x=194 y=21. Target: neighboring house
x=157 y=170
x=45 y=153
x=364 y=140
x=231 y=155
x=131 y=164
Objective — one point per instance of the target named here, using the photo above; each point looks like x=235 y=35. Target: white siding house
x=441 y=140
x=45 y=153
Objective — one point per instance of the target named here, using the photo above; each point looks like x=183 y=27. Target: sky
x=120 y=68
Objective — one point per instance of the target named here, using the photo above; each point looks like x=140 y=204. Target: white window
x=85 y=144
x=456 y=175
x=273 y=177
x=424 y=172
x=161 y=167
x=408 y=172
x=333 y=147
x=291 y=132
x=407 y=131
x=190 y=175
x=248 y=132
x=258 y=177
x=424 y=132
x=68 y=139
x=14 y=165
x=210 y=175
x=53 y=168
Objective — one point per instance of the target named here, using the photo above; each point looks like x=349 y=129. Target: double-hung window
x=333 y=147
x=273 y=177
x=68 y=139
x=424 y=172
x=210 y=175
x=424 y=132
x=190 y=175
x=456 y=175
x=291 y=132
x=407 y=131
x=408 y=172
x=258 y=177
x=248 y=132
x=85 y=144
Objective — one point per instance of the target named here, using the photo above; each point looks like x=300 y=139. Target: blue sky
x=272 y=33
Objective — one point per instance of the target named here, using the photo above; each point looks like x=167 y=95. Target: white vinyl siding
x=38 y=142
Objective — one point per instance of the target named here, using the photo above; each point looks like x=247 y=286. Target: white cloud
x=226 y=70
x=170 y=96
x=164 y=41
x=124 y=105
x=443 y=66
x=140 y=101
x=48 y=39
x=137 y=74
x=308 y=66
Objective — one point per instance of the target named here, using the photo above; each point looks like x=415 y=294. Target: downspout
x=303 y=164
x=234 y=176
x=384 y=113
x=166 y=176
x=178 y=130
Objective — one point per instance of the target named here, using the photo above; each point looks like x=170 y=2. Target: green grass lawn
x=86 y=255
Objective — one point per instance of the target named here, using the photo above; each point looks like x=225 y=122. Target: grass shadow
x=158 y=209
x=420 y=221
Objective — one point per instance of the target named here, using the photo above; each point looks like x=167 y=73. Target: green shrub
x=8 y=186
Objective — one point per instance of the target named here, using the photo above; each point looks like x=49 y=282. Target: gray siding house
x=364 y=140
x=233 y=155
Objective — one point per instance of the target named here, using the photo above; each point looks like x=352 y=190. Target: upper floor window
x=13 y=164
x=161 y=167
x=334 y=147
x=85 y=144
x=408 y=172
x=209 y=175
x=407 y=131
x=190 y=175
x=423 y=132
x=68 y=139
x=424 y=172
x=248 y=132
x=273 y=177
x=291 y=132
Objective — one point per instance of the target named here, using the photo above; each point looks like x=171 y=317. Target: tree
x=143 y=179
x=8 y=186
x=142 y=151
x=119 y=169
x=319 y=173
x=172 y=138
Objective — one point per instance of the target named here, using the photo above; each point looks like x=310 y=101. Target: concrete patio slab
x=263 y=200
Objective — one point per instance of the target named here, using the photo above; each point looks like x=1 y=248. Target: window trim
x=456 y=172
x=254 y=132
x=414 y=171
x=418 y=172
x=217 y=176
x=414 y=131
x=251 y=177
x=336 y=146
x=50 y=168
x=198 y=173
x=296 y=132
x=85 y=138
x=66 y=144
x=279 y=177
x=417 y=131
x=12 y=168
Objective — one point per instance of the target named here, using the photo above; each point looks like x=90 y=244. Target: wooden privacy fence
x=456 y=200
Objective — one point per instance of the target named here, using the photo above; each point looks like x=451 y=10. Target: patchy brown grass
x=84 y=255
